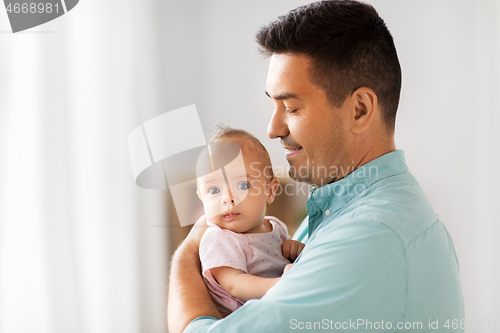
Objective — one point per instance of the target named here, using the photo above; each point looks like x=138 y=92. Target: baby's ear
x=273 y=187
x=199 y=195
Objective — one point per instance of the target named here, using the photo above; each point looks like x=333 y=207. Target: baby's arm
x=246 y=286
x=240 y=284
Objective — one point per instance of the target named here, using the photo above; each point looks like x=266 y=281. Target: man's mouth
x=291 y=151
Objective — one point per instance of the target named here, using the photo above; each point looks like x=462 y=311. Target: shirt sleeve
x=200 y=324
x=220 y=247
x=348 y=275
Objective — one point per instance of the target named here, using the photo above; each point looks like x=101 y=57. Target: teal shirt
x=377 y=258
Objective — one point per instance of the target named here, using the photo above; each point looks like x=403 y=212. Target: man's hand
x=291 y=249
x=188 y=297
x=197 y=231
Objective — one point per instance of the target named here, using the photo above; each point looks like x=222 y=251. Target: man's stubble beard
x=319 y=174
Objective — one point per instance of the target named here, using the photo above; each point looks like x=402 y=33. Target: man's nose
x=277 y=127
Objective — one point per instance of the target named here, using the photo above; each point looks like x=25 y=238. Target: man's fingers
x=202 y=221
x=197 y=231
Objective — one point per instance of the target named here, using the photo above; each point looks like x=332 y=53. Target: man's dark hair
x=349 y=45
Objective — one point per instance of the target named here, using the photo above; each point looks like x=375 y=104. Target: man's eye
x=244 y=186
x=292 y=111
x=213 y=190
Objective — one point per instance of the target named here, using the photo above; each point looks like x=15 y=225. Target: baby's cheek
x=211 y=211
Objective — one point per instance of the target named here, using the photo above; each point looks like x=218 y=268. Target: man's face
x=311 y=130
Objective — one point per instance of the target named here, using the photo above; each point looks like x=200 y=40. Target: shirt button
x=327 y=212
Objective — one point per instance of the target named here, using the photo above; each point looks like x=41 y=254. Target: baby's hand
x=291 y=249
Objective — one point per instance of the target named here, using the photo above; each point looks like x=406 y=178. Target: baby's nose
x=227 y=200
x=227 y=197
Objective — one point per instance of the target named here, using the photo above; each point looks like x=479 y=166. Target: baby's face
x=241 y=206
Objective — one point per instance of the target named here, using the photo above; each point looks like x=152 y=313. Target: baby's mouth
x=230 y=215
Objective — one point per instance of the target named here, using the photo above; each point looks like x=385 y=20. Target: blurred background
x=84 y=250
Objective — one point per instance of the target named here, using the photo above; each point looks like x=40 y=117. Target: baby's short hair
x=223 y=132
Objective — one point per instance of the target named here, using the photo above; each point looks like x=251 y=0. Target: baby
x=243 y=251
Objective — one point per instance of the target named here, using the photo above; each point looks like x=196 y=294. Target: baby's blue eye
x=213 y=190
x=243 y=186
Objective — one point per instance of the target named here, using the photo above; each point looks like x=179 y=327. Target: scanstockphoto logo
x=24 y=15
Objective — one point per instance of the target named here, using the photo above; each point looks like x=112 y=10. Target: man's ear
x=199 y=195
x=273 y=187
x=364 y=110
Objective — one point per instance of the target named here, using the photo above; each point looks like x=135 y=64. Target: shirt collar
x=329 y=199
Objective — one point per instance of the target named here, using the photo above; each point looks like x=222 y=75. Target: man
x=377 y=257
